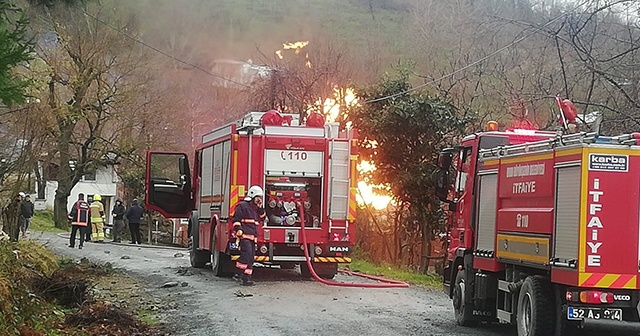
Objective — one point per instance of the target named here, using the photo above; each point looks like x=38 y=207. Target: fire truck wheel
x=197 y=257
x=324 y=270
x=220 y=262
x=464 y=313
x=304 y=270
x=536 y=310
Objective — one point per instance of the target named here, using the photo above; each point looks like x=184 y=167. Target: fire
x=296 y=46
x=366 y=193
x=333 y=107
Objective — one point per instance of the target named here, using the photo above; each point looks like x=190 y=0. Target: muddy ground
x=281 y=302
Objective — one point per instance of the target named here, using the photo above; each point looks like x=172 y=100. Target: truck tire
x=198 y=258
x=220 y=261
x=329 y=271
x=305 y=272
x=536 y=309
x=325 y=271
x=461 y=307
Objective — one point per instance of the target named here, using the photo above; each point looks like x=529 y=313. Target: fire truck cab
x=543 y=229
x=304 y=169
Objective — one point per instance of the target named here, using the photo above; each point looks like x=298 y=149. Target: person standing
x=23 y=213
x=97 y=219
x=27 y=209
x=79 y=217
x=118 y=221
x=134 y=215
x=246 y=218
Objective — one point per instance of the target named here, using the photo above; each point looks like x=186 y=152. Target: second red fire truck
x=544 y=228
x=311 y=166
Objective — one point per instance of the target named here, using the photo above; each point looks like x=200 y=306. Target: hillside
x=243 y=29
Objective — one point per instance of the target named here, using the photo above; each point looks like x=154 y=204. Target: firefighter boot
x=237 y=277
x=246 y=280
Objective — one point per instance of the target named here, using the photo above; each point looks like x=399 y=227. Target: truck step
x=505 y=316
x=503 y=286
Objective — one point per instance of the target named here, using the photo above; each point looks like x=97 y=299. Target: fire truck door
x=168 y=184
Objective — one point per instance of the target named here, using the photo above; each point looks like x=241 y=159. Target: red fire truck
x=543 y=229
x=310 y=166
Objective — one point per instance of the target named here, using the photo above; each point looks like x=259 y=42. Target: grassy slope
x=397 y=273
x=345 y=20
x=237 y=29
x=43 y=221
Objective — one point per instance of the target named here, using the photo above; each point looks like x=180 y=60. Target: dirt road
x=282 y=303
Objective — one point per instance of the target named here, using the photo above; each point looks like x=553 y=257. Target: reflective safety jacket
x=97 y=212
x=79 y=214
x=247 y=217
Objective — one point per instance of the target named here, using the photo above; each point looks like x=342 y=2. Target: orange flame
x=295 y=45
x=367 y=194
x=307 y=63
x=332 y=107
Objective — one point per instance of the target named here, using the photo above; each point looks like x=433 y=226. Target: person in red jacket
x=246 y=218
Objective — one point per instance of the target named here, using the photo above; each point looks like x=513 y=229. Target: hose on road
x=385 y=283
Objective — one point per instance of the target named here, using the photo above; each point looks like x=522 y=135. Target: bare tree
x=96 y=95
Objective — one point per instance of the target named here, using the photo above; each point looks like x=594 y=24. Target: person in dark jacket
x=79 y=217
x=27 y=209
x=118 y=220
x=246 y=218
x=134 y=215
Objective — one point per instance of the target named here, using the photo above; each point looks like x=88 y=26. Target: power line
x=473 y=63
x=119 y=31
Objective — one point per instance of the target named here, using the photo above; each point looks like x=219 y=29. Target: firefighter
x=97 y=219
x=79 y=217
x=246 y=218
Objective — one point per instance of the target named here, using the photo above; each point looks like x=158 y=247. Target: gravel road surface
x=282 y=303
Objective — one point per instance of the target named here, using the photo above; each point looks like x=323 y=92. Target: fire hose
x=387 y=283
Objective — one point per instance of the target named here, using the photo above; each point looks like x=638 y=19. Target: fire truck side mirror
x=445 y=158
x=184 y=166
x=442 y=183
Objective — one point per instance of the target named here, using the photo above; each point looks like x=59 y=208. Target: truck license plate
x=574 y=313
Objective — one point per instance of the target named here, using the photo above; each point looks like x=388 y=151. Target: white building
x=103 y=182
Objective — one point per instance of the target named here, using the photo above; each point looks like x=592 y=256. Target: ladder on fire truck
x=560 y=141
x=339 y=182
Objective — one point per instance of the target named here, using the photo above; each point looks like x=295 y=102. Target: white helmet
x=254 y=191
x=21 y=194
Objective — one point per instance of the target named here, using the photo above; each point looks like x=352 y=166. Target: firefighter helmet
x=254 y=192
x=97 y=197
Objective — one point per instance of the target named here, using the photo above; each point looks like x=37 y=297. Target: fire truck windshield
x=492 y=141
